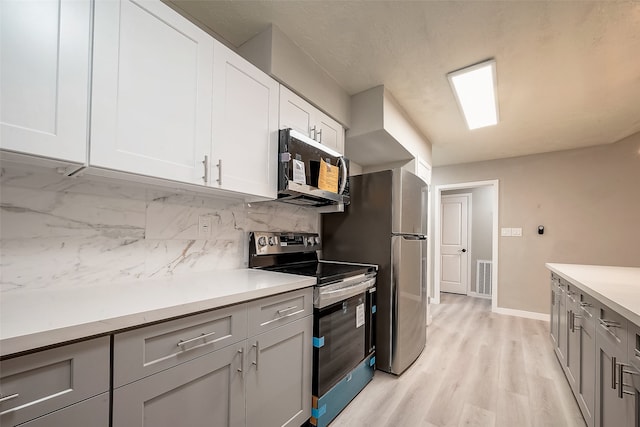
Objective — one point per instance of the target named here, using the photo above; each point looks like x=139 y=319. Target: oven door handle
x=325 y=298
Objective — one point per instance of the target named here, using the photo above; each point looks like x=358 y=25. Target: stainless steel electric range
x=344 y=316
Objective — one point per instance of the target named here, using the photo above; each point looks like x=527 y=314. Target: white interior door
x=454 y=246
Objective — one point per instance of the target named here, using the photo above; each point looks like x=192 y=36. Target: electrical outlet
x=516 y=232
x=204 y=226
x=505 y=232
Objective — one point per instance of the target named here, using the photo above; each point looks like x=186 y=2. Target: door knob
x=464 y=250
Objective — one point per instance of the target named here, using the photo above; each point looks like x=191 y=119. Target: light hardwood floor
x=478 y=369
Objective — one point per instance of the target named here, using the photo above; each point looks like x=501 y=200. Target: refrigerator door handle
x=408 y=236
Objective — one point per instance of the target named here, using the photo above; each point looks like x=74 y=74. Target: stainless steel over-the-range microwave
x=299 y=162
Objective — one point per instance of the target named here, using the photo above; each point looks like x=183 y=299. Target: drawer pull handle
x=284 y=310
x=609 y=323
x=636 y=352
x=9 y=397
x=282 y=317
x=201 y=337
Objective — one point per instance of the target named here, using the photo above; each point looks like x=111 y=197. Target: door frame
x=494 y=241
x=467 y=244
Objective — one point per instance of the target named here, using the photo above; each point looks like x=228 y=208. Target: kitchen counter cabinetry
x=298 y=114
x=55 y=387
x=601 y=345
x=248 y=364
x=45 y=59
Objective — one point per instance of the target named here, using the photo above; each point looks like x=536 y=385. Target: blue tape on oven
x=318 y=342
x=317 y=413
x=372 y=361
x=374 y=309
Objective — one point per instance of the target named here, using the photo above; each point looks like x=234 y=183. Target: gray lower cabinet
x=573 y=352
x=45 y=386
x=278 y=382
x=586 y=392
x=614 y=407
x=243 y=365
x=554 y=318
x=93 y=412
x=561 y=349
x=207 y=390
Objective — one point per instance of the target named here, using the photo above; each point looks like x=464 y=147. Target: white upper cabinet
x=245 y=126
x=152 y=91
x=298 y=114
x=44 y=77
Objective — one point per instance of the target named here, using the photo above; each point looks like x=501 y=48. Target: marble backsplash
x=60 y=231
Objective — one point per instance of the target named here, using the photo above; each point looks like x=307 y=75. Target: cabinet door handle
x=241 y=369
x=257 y=347
x=313 y=129
x=613 y=372
x=219 y=165
x=205 y=162
x=621 y=384
x=9 y=397
x=570 y=314
x=320 y=135
x=200 y=337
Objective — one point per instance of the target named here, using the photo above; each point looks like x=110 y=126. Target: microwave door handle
x=343 y=184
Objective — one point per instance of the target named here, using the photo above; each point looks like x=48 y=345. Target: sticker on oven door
x=298 y=172
x=359 y=315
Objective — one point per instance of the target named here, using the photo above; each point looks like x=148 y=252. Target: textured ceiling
x=568 y=71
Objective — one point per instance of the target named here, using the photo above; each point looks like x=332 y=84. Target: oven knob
x=262 y=241
x=272 y=241
x=317 y=240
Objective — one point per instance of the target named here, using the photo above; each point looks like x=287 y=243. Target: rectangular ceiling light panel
x=475 y=89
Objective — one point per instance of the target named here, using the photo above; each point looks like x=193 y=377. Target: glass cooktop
x=325 y=272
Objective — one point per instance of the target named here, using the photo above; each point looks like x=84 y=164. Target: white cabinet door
x=152 y=91
x=298 y=114
x=206 y=391
x=44 y=77
x=295 y=112
x=245 y=126
x=278 y=382
x=330 y=133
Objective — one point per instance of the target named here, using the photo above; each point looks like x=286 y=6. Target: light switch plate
x=516 y=232
x=505 y=232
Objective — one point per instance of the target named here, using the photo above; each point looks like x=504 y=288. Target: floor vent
x=483 y=277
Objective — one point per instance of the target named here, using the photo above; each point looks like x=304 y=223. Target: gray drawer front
x=141 y=352
x=93 y=412
x=616 y=332
x=52 y=379
x=268 y=313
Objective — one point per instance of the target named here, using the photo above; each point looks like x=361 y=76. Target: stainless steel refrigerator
x=386 y=224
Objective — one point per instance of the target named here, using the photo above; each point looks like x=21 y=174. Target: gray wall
x=481 y=224
x=587 y=199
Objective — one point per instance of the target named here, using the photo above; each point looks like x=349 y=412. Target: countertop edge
x=615 y=306
x=40 y=340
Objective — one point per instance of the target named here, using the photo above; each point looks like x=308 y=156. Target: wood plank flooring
x=478 y=369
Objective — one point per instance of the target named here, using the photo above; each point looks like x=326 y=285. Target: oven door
x=340 y=340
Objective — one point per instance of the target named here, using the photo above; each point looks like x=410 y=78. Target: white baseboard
x=521 y=313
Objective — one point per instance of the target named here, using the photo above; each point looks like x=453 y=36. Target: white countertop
x=38 y=318
x=616 y=287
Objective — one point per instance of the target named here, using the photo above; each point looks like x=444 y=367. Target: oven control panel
x=264 y=243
